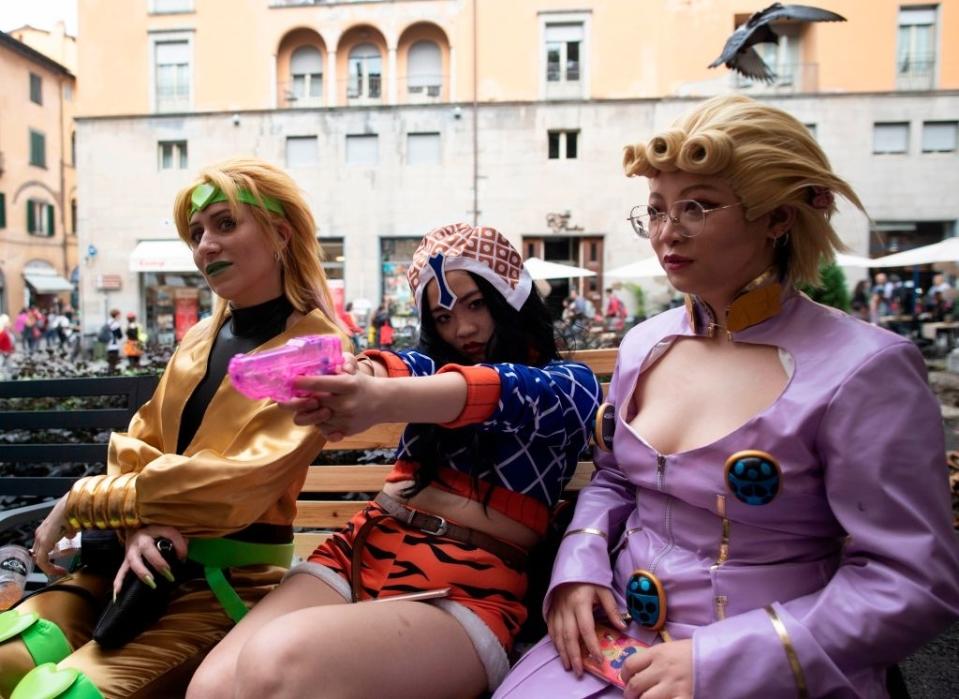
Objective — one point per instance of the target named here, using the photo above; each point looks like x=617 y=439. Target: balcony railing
x=916 y=72
x=289 y=96
x=421 y=89
x=364 y=89
x=788 y=78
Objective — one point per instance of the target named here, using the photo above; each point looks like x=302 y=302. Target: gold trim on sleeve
x=101 y=503
x=86 y=490
x=128 y=513
x=115 y=497
x=71 y=508
x=586 y=530
x=787 y=642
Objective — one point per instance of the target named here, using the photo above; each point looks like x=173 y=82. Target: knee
x=279 y=656
x=215 y=678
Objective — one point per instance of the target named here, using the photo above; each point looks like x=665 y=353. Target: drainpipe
x=63 y=213
x=475 y=123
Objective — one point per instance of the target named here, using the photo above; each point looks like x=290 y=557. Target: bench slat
x=357 y=478
x=305 y=542
x=53 y=453
x=138 y=387
x=601 y=361
x=377 y=437
x=331 y=514
x=46 y=486
x=114 y=418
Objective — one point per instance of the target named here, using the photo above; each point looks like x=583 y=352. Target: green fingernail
x=148 y=579
x=168 y=574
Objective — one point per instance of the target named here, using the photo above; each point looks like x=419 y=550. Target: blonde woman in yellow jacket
x=202 y=466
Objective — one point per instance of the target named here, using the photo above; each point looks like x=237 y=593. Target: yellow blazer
x=246 y=463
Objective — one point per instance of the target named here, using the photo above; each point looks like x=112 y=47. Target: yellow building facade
x=395 y=116
x=221 y=55
x=38 y=248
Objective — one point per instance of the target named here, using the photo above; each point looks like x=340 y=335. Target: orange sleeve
x=482 y=394
x=395 y=367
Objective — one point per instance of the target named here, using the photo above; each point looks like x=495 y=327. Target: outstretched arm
x=363 y=396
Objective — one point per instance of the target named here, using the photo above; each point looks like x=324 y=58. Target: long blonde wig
x=304 y=281
x=769 y=158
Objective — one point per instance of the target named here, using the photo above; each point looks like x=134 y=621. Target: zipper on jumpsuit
x=668 y=516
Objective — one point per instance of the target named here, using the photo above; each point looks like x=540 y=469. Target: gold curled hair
x=769 y=158
x=304 y=281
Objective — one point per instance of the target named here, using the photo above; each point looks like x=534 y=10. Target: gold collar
x=759 y=300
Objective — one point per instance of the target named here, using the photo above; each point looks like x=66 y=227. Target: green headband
x=205 y=194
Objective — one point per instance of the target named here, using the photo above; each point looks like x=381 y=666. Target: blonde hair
x=301 y=257
x=769 y=158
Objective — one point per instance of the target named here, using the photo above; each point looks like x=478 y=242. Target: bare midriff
x=465 y=512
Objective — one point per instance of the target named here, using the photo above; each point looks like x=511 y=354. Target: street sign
x=109 y=282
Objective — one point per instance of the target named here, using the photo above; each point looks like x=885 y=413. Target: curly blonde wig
x=769 y=158
x=304 y=281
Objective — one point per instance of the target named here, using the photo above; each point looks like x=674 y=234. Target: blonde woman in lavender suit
x=773 y=513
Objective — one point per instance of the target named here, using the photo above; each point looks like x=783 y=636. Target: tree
x=832 y=290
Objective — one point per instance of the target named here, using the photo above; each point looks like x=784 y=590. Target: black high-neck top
x=244 y=330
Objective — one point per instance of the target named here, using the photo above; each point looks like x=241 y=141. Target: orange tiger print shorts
x=398 y=559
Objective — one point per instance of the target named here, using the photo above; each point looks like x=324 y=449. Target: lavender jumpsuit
x=848 y=569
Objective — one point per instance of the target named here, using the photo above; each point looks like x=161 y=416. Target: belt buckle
x=440 y=529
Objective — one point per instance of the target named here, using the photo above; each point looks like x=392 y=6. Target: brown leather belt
x=513 y=556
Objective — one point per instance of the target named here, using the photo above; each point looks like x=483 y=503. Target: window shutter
x=31 y=224
x=50 y=224
x=572 y=31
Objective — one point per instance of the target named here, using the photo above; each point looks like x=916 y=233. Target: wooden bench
x=83 y=409
x=318 y=514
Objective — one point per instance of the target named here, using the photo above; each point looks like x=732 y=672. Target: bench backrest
x=69 y=410
x=318 y=513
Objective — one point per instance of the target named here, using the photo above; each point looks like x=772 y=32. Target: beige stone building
x=38 y=244
x=398 y=116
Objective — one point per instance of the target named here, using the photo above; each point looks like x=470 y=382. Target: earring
x=276 y=257
x=782 y=241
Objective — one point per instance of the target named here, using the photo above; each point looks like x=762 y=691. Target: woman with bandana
x=772 y=514
x=497 y=423
x=202 y=466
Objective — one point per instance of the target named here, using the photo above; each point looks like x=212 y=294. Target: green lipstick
x=214 y=268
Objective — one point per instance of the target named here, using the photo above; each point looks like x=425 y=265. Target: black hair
x=525 y=336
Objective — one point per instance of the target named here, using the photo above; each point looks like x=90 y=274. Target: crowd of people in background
x=889 y=298
x=55 y=327
x=886 y=300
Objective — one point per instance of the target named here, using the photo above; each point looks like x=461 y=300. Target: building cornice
x=228 y=113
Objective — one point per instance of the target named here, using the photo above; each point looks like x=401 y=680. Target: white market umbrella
x=649 y=267
x=944 y=251
x=844 y=260
x=541 y=269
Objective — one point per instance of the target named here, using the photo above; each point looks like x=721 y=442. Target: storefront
x=396 y=255
x=44 y=287
x=175 y=295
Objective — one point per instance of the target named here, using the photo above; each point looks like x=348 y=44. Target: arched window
x=306 y=69
x=366 y=72
x=424 y=68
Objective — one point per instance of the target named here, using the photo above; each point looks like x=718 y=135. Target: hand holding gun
x=270 y=374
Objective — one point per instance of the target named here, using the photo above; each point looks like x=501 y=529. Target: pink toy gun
x=270 y=374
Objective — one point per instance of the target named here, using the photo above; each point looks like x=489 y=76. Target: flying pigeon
x=739 y=54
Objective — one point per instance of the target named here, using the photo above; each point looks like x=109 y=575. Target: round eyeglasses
x=687 y=215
